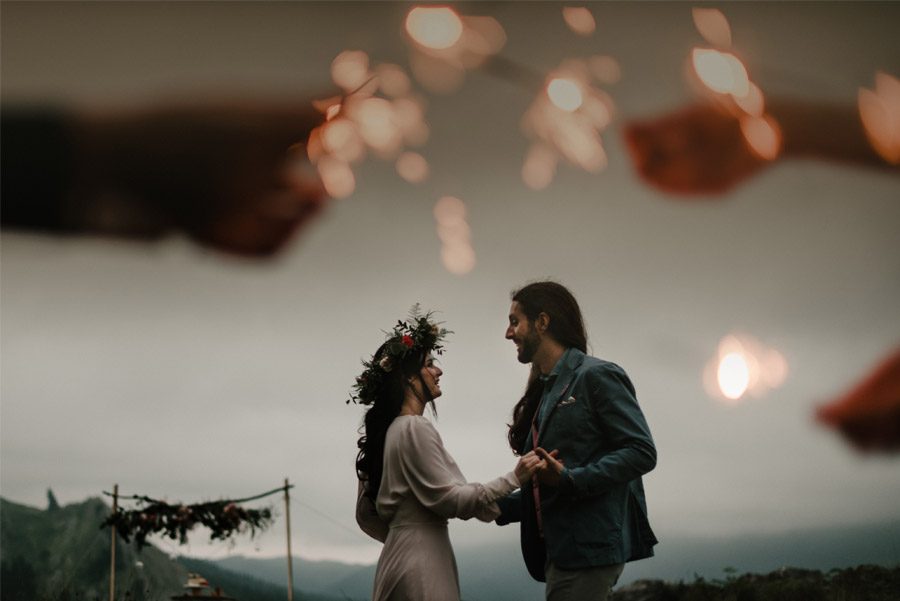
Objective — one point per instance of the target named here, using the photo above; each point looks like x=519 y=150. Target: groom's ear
x=542 y=323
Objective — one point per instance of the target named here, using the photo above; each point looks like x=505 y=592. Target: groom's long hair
x=566 y=327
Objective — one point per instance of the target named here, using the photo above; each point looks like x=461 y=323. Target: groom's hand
x=551 y=473
x=527 y=466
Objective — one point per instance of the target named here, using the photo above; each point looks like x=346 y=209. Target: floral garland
x=222 y=518
x=417 y=334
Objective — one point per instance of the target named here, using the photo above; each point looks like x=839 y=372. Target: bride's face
x=431 y=375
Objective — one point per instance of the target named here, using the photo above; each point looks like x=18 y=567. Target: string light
x=725 y=75
x=377 y=114
x=457 y=253
x=579 y=19
x=565 y=94
x=743 y=366
x=436 y=28
x=879 y=110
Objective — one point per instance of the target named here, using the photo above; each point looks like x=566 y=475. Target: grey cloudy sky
x=177 y=373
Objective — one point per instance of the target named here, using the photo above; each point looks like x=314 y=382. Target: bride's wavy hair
x=566 y=327
x=385 y=407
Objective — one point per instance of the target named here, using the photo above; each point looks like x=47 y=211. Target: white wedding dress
x=421 y=488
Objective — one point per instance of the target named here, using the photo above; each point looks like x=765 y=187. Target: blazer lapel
x=561 y=386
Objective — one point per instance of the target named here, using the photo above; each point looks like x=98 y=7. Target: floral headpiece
x=417 y=334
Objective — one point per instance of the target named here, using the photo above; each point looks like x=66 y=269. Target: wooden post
x=112 y=547
x=287 y=515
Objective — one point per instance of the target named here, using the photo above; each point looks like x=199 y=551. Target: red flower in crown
x=407 y=340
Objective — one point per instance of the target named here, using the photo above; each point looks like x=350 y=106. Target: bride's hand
x=526 y=467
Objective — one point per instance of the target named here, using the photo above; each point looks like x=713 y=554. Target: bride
x=409 y=485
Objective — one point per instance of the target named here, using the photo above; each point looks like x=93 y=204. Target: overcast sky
x=180 y=374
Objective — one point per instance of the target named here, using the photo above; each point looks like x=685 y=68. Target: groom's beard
x=529 y=347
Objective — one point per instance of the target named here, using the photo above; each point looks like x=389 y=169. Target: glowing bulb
x=762 y=135
x=733 y=375
x=721 y=72
x=565 y=94
x=350 y=69
x=458 y=260
x=879 y=111
x=449 y=208
x=412 y=167
x=754 y=104
x=713 y=26
x=580 y=20
x=539 y=167
x=436 y=28
x=337 y=177
x=340 y=138
x=376 y=124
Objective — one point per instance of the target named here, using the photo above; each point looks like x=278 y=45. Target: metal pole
x=287 y=515
x=112 y=547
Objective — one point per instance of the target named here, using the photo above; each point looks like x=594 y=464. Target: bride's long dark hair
x=386 y=406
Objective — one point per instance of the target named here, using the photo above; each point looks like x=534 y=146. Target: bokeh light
x=743 y=367
x=753 y=103
x=437 y=28
x=337 y=177
x=457 y=254
x=605 y=69
x=445 y=44
x=412 y=167
x=362 y=122
x=763 y=136
x=566 y=120
x=733 y=375
x=879 y=110
x=539 y=167
x=713 y=26
x=721 y=72
x=350 y=69
x=565 y=94
x=579 y=19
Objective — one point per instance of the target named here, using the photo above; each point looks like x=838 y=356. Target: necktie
x=535 y=487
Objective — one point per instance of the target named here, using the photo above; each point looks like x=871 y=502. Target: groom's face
x=523 y=333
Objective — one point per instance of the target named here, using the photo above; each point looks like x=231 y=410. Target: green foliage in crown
x=417 y=334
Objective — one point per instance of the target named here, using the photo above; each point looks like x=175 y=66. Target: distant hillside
x=346 y=581
x=61 y=553
x=245 y=587
x=496 y=572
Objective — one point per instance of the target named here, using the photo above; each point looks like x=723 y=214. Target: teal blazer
x=598 y=514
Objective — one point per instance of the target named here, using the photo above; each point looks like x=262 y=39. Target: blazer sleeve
x=510 y=508
x=625 y=431
x=437 y=483
x=367 y=517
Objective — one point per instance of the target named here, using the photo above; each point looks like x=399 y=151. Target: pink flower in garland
x=407 y=340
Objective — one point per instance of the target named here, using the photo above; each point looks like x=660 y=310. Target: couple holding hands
x=576 y=490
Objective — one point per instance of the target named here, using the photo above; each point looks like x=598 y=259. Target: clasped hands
x=540 y=464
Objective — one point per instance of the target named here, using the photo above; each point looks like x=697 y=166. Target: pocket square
x=568 y=401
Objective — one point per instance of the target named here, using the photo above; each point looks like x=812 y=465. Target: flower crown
x=417 y=334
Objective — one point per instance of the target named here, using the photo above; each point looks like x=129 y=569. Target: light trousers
x=585 y=584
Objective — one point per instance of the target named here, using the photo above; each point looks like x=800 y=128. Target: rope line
x=329 y=518
x=244 y=500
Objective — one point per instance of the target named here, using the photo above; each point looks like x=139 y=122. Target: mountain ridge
x=496 y=572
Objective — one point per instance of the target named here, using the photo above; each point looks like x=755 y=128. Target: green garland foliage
x=222 y=518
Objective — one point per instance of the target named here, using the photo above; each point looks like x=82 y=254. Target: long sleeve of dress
x=367 y=516
x=436 y=480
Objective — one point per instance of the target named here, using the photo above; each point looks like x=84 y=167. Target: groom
x=585 y=514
